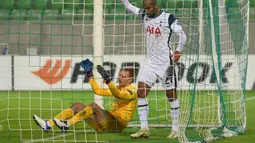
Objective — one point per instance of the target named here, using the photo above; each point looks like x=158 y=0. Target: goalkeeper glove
x=104 y=74
x=87 y=65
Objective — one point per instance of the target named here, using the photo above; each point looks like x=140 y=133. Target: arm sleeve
x=128 y=94
x=130 y=7
x=98 y=90
x=177 y=29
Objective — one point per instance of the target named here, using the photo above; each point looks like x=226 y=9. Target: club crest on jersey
x=153 y=30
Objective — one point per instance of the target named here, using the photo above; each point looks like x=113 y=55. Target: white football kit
x=158 y=63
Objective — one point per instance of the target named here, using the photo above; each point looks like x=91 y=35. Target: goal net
x=216 y=108
x=46 y=39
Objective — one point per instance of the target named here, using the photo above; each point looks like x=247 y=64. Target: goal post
x=98 y=44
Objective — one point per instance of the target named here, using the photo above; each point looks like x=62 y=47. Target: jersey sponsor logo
x=153 y=30
x=53 y=75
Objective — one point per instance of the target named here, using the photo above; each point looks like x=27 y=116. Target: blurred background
x=41 y=27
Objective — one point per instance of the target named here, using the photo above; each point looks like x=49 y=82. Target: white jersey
x=158 y=33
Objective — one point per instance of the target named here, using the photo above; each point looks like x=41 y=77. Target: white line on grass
x=59 y=136
x=250 y=98
x=63 y=135
x=49 y=138
x=161 y=116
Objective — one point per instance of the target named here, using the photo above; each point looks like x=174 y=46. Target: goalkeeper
x=101 y=120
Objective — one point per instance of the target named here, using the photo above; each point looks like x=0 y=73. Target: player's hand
x=104 y=74
x=87 y=65
x=176 y=56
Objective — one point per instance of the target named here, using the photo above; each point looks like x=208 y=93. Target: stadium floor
x=39 y=103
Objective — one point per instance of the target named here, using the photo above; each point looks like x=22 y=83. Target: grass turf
x=22 y=105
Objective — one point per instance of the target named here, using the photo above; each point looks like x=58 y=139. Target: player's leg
x=91 y=121
x=105 y=121
x=99 y=115
x=81 y=112
x=63 y=115
x=170 y=84
x=174 y=112
x=95 y=116
x=143 y=110
x=146 y=80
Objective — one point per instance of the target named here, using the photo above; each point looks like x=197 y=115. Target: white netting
x=211 y=73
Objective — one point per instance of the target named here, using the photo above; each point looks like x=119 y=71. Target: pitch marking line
x=50 y=138
x=161 y=116
x=63 y=135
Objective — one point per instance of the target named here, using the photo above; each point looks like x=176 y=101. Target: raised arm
x=130 y=7
x=127 y=94
x=97 y=89
x=87 y=65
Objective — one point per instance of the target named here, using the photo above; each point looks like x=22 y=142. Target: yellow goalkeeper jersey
x=125 y=99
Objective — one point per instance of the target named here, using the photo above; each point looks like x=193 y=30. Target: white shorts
x=148 y=75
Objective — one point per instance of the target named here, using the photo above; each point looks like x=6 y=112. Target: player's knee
x=141 y=93
x=93 y=106
x=143 y=90
x=76 y=107
x=171 y=95
x=171 y=99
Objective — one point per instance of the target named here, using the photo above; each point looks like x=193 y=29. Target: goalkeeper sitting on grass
x=101 y=120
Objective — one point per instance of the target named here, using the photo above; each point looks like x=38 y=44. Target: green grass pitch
x=46 y=104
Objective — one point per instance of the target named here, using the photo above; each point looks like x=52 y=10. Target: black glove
x=104 y=74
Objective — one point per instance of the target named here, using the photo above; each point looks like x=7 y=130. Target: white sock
x=174 y=112
x=143 y=110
